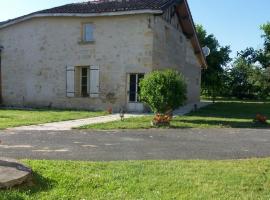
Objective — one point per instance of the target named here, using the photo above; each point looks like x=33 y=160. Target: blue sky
x=233 y=22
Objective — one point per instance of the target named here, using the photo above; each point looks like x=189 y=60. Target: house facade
x=93 y=55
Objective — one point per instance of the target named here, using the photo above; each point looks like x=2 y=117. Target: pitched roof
x=121 y=7
x=98 y=7
x=110 y=6
x=101 y=6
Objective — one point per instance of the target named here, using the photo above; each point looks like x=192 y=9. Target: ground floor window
x=83 y=81
x=134 y=87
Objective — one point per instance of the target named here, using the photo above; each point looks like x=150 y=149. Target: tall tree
x=266 y=29
x=261 y=56
x=242 y=79
x=220 y=56
x=248 y=81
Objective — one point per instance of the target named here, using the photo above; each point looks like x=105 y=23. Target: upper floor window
x=88 y=32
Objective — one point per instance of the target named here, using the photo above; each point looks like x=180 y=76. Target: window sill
x=87 y=97
x=86 y=43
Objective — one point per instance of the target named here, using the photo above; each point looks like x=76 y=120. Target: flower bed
x=260 y=119
x=162 y=120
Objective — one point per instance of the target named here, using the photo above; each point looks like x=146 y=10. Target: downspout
x=1 y=97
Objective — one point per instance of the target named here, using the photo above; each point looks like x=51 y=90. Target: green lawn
x=219 y=115
x=12 y=118
x=233 y=99
x=166 y=180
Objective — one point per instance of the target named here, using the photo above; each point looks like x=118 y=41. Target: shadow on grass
x=218 y=123
x=233 y=110
x=35 y=185
x=46 y=109
x=39 y=183
x=172 y=126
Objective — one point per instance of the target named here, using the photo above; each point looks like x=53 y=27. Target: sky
x=233 y=22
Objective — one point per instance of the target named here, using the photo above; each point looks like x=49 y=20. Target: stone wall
x=37 y=52
x=173 y=50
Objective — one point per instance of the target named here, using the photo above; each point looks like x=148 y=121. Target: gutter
x=202 y=57
x=189 y=30
x=116 y=13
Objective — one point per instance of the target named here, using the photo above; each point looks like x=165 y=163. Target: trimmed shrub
x=163 y=91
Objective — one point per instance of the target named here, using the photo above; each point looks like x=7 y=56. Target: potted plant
x=260 y=119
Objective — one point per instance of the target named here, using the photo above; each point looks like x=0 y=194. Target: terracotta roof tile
x=109 y=6
x=102 y=6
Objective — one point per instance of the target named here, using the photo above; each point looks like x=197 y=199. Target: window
x=134 y=87
x=88 y=35
x=83 y=81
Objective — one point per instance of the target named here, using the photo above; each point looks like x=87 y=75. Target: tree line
x=247 y=76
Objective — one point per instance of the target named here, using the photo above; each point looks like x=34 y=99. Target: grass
x=219 y=115
x=13 y=118
x=233 y=99
x=166 y=180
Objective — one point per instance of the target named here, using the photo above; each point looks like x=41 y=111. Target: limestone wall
x=37 y=52
x=173 y=50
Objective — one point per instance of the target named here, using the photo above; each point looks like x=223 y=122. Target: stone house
x=92 y=55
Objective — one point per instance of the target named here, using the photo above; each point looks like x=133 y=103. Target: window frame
x=83 y=32
x=87 y=68
x=137 y=86
x=78 y=81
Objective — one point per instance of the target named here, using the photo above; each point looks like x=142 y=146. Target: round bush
x=163 y=91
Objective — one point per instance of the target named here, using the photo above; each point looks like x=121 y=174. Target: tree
x=266 y=35
x=248 y=81
x=212 y=77
x=263 y=83
x=261 y=56
x=264 y=55
x=241 y=79
x=261 y=59
x=164 y=91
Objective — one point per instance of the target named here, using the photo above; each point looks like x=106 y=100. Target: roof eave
x=35 y=15
x=189 y=30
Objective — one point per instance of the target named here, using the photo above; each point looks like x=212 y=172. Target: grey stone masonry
x=12 y=173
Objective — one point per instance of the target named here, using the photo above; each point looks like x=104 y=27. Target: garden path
x=69 y=125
